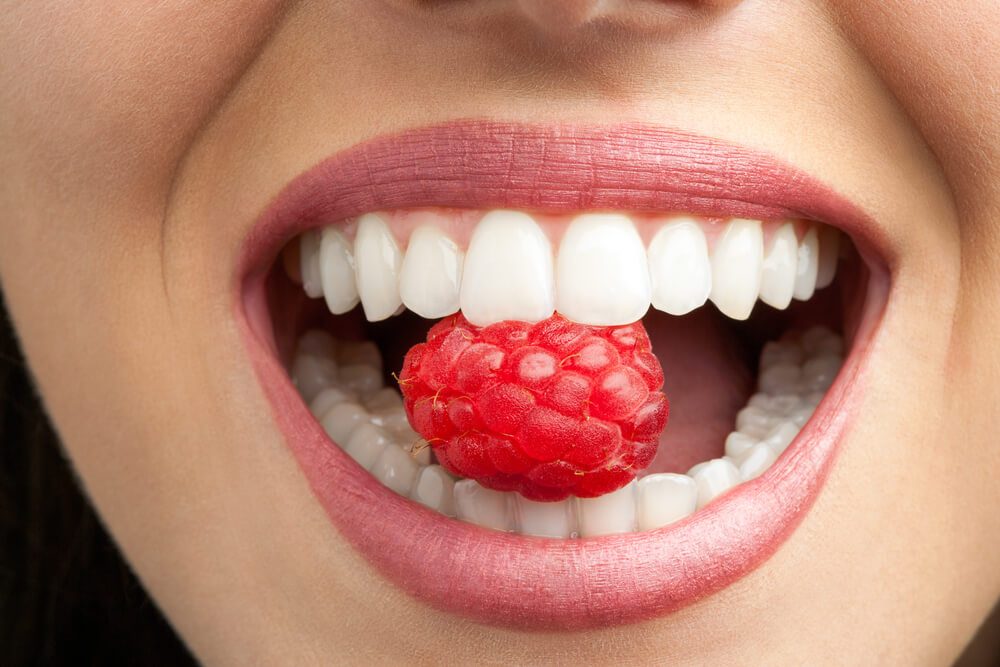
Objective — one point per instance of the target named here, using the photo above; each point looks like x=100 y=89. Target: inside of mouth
x=739 y=390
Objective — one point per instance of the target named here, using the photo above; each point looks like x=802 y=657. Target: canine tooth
x=431 y=275
x=359 y=352
x=336 y=267
x=435 y=489
x=481 y=506
x=366 y=444
x=756 y=461
x=312 y=375
x=781 y=436
x=775 y=353
x=609 y=514
x=602 y=277
x=829 y=252
x=361 y=379
x=777 y=281
x=508 y=271
x=714 y=478
x=736 y=268
x=807 y=266
x=396 y=470
x=665 y=498
x=340 y=420
x=318 y=343
x=328 y=398
x=680 y=271
x=312 y=280
x=738 y=444
x=377 y=259
x=780 y=379
x=387 y=397
x=553 y=519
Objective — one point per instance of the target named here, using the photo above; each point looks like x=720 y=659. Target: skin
x=140 y=142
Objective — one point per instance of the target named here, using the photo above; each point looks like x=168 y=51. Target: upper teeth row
x=601 y=274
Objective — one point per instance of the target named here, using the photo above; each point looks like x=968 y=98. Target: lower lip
x=511 y=580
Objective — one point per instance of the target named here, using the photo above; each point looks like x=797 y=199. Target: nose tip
x=562 y=17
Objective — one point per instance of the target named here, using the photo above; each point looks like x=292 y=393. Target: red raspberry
x=548 y=409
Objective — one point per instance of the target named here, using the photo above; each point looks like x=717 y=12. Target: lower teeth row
x=342 y=382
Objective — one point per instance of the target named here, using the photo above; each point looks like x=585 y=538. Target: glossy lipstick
x=529 y=582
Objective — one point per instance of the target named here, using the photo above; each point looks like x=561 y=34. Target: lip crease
x=536 y=583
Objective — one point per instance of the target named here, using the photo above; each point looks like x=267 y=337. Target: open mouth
x=760 y=293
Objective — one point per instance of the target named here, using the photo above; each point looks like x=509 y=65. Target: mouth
x=761 y=291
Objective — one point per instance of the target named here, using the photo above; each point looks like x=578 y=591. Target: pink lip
x=536 y=583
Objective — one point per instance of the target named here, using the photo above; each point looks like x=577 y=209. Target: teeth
x=829 y=251
x=377 y=259
x=807 y=266
x=312 y=280
x=544 y=519
x=794 y=375
x=609 y=514
x=713 y=478
x=482 y=506
x=431 y=275
x=736 y=268
x=601 y=272
x=336 y=266
x=665 y=498
x=435 y=488
x=679 y=268
x=777 y=282
x=508 y=271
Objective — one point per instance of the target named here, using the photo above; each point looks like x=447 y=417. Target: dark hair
x=66 y=595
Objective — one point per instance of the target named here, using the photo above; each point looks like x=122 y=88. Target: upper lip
x=532 y=582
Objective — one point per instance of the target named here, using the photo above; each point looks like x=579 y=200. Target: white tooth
x=778 y=405
x=396 y=470
x=508 y=271
x=680 y=271
x=819 y=338
x=416 y=448
x=775 y=353
x=336 y=267
x=757 y=461
x=553 y=519
x=736 y=268
x=602 y=277
x=807 y=266
x=435 y=488
x=819 y=373
x=328 y=398
x=312 y=280
x=312 y=375
x=318 y=343
x=359 y=352
x=801 y=415
x=387 y=397
x=781 y=436
x=360 y=378
x=481 y=506
x=366 y=443
x=392 y=419
x=340 y=420
x=738 y=444
x=609 y=514
x=755 y=422
x=714 y=478
x=377 y=259
x=829 y=252
x=431 y=275
x=780 y=379
x=778 y=275
x=665 y=498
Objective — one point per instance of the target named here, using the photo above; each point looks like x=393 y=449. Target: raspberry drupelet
x=549 y=410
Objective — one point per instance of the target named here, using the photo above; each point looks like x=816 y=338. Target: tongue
x=707 y=382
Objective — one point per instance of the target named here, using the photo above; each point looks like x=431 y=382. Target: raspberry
x=548 y=410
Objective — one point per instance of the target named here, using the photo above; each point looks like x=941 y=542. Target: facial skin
x=141 y=141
